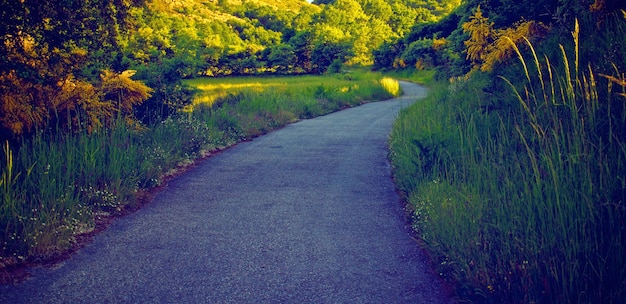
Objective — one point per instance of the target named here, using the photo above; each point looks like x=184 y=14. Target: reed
x=524 y=203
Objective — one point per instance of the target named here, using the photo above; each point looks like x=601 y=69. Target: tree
x=403 y=18
x=378 y=9
x=325 y=53
x=46 y=46
x=487 y=46
x=347 y=15
x=88 y=24
x=282 y=58
x=386 y=54
x=481 y=37
x=122 y=93
x=302 y=44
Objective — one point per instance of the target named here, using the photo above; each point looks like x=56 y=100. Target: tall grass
x=523 y=203
x=272 y=102
x=425 y=77
x=56 y=186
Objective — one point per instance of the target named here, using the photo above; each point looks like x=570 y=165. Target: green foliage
x=335 y=67
x=516 y=183
x=303 y=47
x=169 y=95
x=414 y=47
x=248 y=38
x=477 y=41
x=52 y=54
x=56 y=186
x=326 y=53
x=63 y=26
x=281 y=58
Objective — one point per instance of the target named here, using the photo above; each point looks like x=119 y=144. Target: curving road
x=306 y=214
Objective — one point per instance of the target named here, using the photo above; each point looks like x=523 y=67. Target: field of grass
x=212 y=89
x=260 y=104
x=521 y=197
x=54 y=186
x=424 y=77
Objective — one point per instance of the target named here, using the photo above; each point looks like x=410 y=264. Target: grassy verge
x=338 y=86
x=522 y=199
x=56 y=187
x=424 y=77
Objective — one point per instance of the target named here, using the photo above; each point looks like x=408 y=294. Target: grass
x=213 y=89
x=523 y=200
x=424 y=77
x=56 y=186
x=255 y=105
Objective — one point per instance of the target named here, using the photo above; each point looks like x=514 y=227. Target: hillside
x=259 y=36
x=174 y=40
x=47 y=44
x=214 y=10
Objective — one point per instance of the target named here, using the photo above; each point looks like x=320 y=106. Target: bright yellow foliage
x=481 y=36
x=502 y=49
x=488 y=46
x=21 y=109
x=123 y=92
x=75 y=104
x=439 y=43
x=419 y=64
x=55 y=98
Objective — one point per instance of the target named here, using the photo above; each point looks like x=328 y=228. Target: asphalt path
x=306 y=214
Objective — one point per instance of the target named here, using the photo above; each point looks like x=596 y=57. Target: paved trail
x=306 y=214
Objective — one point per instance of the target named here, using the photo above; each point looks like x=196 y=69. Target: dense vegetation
x=94 y=110
x=515 y=165
x=190 y=38
x=53 y=50
x=56 y=186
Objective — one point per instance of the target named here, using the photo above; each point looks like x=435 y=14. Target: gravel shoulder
x=306 y=214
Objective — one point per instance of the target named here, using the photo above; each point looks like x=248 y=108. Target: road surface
x=306 y=214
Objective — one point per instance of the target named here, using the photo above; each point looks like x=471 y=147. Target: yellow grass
x=213 y=88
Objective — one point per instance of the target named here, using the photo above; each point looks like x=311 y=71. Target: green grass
x=523 y=200
x=56 y=186
x=212 y=89
x=424 y=77
x=255 y=105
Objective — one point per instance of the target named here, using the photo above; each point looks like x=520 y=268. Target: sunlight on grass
x=210 y=92
x=391 y=85
x=54 y=187
x=212 y=89
x=230 y=86
x=425 y=77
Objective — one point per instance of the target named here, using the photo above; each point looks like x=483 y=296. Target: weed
x=521 y=202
